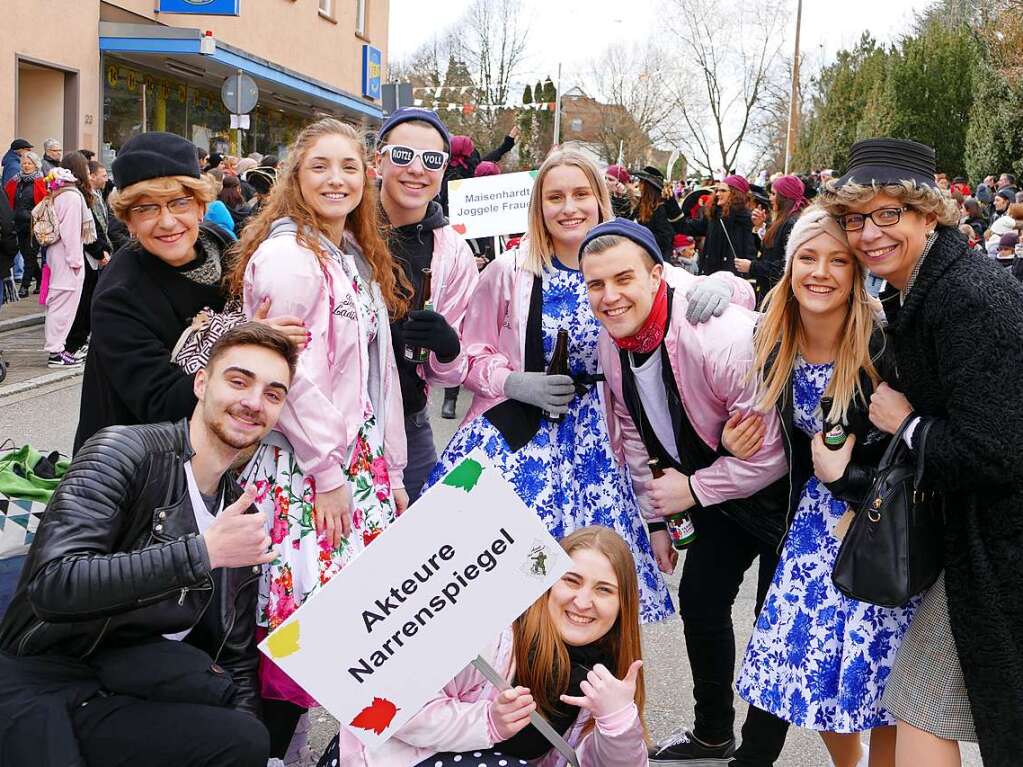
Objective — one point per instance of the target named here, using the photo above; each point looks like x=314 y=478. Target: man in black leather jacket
x=147 y=541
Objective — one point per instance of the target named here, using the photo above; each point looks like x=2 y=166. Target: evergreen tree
x=527 y=95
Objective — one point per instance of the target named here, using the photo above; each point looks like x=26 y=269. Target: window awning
x=278 y=86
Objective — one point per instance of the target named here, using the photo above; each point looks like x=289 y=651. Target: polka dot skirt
x=488 y=758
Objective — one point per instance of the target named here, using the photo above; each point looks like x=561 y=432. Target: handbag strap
x=896 y=446
x=729 y=239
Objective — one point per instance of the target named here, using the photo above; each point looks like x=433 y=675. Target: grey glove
x=549 y=393
x=707 y=298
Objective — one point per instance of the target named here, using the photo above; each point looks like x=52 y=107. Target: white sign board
x=490 y=205
x=398 y=623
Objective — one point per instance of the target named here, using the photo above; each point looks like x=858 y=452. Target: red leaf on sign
x=376 y=716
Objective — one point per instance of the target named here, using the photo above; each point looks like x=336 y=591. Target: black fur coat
x=959 y=350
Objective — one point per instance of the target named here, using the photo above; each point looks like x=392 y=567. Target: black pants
x=422 y=455
x=80 y=328
x=121 y=730
x=281 y=720
x=713 y=571
x=31 y=255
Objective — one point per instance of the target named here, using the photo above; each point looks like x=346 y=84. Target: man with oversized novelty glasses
x=413 y=150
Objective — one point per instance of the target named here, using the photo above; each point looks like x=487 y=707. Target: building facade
x=93 y=73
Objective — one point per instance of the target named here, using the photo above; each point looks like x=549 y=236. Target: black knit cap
x=889 y=161
x=154 y=155
x=630 y=230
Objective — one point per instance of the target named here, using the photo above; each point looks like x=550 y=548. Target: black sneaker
x=681 y=749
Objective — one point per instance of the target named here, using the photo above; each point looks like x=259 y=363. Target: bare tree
x=631 y=81
x=727 y=62
x=474 y=63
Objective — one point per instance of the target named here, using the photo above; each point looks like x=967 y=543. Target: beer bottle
x=418 y=354
x=680 y=526
x=834 y=432
x=558 y=367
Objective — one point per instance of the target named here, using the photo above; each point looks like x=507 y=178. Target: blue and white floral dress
x=818 y=659
x=567 y=472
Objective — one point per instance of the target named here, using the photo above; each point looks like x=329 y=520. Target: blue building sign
x=372 y=65
x=202 y=7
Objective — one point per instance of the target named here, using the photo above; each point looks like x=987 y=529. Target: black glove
x=430 y=330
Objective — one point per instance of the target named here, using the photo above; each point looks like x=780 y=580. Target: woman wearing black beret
x=170 y=271
x=956 y=322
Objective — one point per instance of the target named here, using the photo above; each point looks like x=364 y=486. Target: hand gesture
x=888 y=408
x=333 y=514
x=293 y=327
x=670 y=494
x=829 y=465
x=603 y=693
x=759 y=216
x=510 y=712
x=742 y=265
x=237 y=538
x=514 y=132
x=743 y=435
x=664 y=553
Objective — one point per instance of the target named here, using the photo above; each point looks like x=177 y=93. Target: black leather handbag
x=893 y=548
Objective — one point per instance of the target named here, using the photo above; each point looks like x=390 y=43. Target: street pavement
x=46 y=417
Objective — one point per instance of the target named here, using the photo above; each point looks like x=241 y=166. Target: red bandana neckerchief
x=650 y=335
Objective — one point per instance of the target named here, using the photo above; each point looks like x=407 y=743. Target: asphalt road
x=47 y=418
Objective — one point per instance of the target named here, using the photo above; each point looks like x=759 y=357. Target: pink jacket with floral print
x=325 y=406
x=452 y=282
x=711 y=364
x=494 y=331
x=458 y=719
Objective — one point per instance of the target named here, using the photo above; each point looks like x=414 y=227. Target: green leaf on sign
x=465 y=475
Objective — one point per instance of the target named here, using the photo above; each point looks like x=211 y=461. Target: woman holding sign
x=574 y=657
x=329 y=477
x=548 y=433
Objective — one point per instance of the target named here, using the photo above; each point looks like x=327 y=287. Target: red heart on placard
x=460 y=228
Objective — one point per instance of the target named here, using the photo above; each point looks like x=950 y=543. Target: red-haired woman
x=574 y=656
x=329 y=477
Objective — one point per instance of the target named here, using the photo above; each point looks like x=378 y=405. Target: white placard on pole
x=418 y=605
x=490 y=205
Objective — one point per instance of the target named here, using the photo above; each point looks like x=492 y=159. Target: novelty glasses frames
x=402 y=156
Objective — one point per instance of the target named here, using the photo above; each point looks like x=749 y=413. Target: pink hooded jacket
x=494 y=331
x=325 y=405
x=453 y=280
x=458 y=719
x=711 y=364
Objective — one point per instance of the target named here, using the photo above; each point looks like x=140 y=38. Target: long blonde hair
x=541 y=246
x=541 y=659
x=780 y=335
x=285 y=200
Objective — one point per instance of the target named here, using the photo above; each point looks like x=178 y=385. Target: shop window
x=360 y=18
x=576 y=125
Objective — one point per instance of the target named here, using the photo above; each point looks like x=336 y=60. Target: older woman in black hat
x=956 y=322
x=149 y=294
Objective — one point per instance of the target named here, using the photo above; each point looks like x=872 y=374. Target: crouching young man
x=131 y=638
x=671 y=386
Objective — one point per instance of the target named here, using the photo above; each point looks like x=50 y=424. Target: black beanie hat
x=154 y=155
x=630 y=230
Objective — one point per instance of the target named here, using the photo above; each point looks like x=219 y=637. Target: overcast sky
x=574 y=31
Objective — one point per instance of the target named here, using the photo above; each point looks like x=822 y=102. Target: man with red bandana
x=670 y=389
